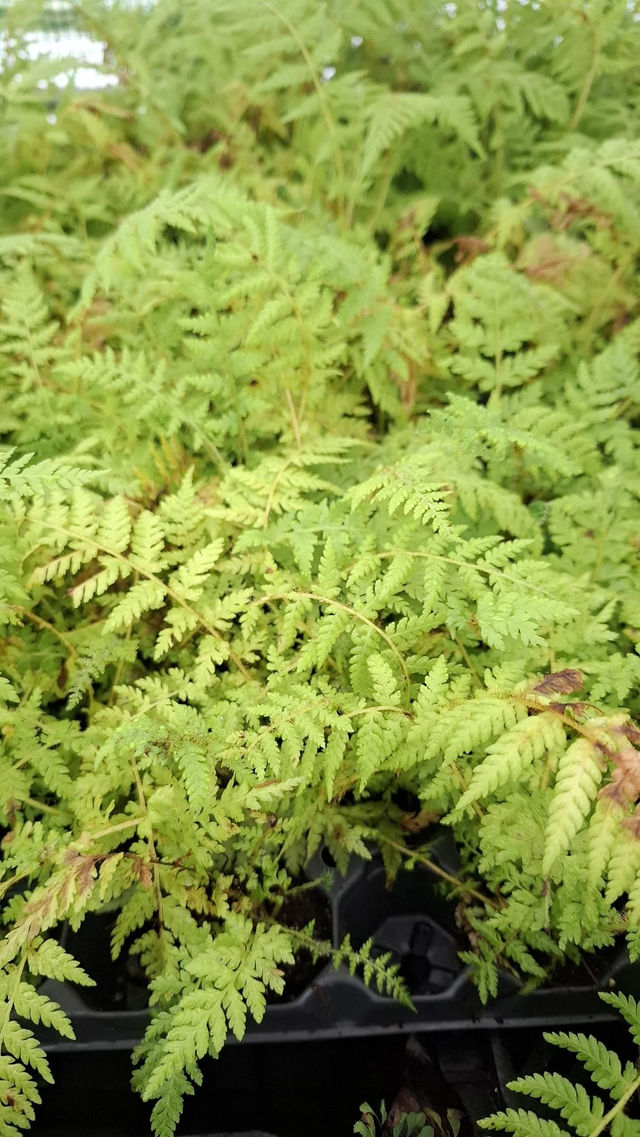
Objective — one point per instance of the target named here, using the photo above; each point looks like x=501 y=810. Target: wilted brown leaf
x=414 y=822
x=142 y=872
x=633 y=823
x=468 y=248
x=624 y=787
x=631 y=732
x=560 y=682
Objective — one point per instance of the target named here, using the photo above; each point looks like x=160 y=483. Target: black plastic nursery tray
x=273 y=1091
x=316 y=1090
x=413 y=920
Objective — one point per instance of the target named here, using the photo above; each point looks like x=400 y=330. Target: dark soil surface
x=591 y=970
x=121 y=984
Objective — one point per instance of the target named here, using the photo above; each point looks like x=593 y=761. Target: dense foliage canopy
x=319 y=408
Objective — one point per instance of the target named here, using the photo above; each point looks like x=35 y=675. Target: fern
x=19 y=479
x=584 y=1114
x=319 y=481
x=393 y=114
x=579 y=774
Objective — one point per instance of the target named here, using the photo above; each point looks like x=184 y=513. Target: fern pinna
x=319 y=482
x=585 y=1114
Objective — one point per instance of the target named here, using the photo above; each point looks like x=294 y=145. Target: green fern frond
x=577 y=782
x=523 y=1123
x=603 y=1065
x=18 y=479
x=572 y=1102
x=585 y=1114
x=507 y=759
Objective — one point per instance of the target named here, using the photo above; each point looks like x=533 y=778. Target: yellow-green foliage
x=319 y=404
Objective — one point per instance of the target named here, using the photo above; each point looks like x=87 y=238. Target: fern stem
x=235 y=659
x=276 y=482
x=46 y=626
x=294 y=418
x=104 y=31
x=44 y=808
x=454 y=881
x=152 y=853
x=130 y=823
x=373 y=710
x=11 y=997
x=534 y=705
x=467 y=658
x=464 y=786
x=383 y=194
x=118 y=673
x=198 y=431
x=209 y=446
x=5 y=885
x=579 y=172
x=616 y=1109
x=32 y=352
x=589 y=77
x=344 y=608
x=326 y=113
x=357 y=164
